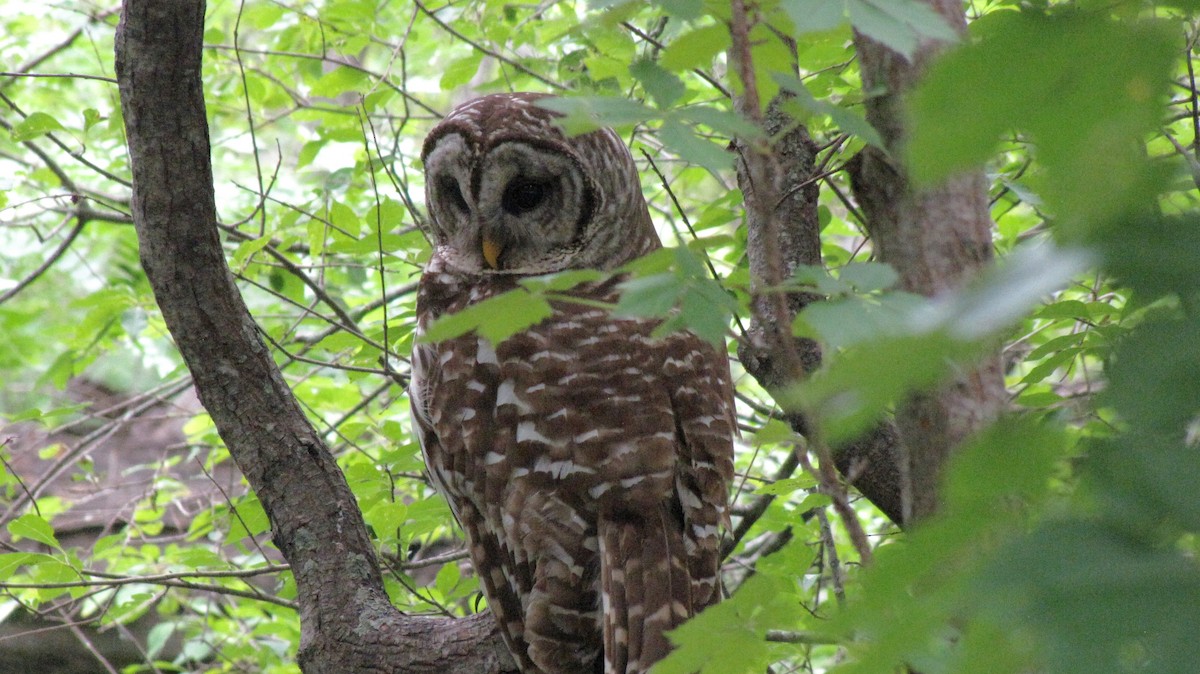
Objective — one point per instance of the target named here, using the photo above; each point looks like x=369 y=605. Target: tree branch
x=347 y=623
x=780 y=191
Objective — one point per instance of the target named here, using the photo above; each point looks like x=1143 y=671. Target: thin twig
x=489 y=52
x=49 y=261
x=829 y=484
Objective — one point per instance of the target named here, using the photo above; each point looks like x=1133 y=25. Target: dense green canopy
x=1066 y=536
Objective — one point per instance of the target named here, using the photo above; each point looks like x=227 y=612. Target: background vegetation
x=1066 y=540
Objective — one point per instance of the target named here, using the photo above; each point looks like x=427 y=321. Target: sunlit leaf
x=36 y=124
x=1037 y=74
x=33 y=527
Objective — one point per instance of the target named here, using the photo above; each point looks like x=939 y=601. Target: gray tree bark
x=871 y=463
x=347 y=623
x=937 y=239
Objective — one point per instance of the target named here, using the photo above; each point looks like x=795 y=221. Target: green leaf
x=36 y=124
x=339 y=81
x=261 y=16
x=812 y=16
x=588 y=113
x=696 y=48
x=653 y=295
x=344 y=218
x=909 y=343
x=899 y=24
x=32 y=527
x=316 y=235
x=386 y=518
x=1039 y=74
x=91 y=117
x=10 y=562
x=1021 y=449
x=1064 y=309
x=685 y=10
x=251 y=520
x=847 y=322
x=1009 y=291
x=561 y=281
x=1156 y=376
x=691 y=147
x=813 y=501
x=762 y=603
x=1094 y=599
x=1155 y=255
x=460 y=71
x=247 y=249
x=157 y=638
x=866 y=277
x=722 y=121
x=659 y=83
x=1056 y=344
x=496 y=318
x=846 y=120
x=788 y=486
x=705 y=310
x=773 y=432
x=859 y=384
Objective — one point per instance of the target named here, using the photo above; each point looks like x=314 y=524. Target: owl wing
x=706 y=422
x=660 y=566
x=502 y=578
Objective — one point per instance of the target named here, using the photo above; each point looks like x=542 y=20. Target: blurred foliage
x=1069 y=535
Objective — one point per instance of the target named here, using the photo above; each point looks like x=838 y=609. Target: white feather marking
x=688 y=498
x=587 y=435
x=559 y=469
x=527 y=432
x=484 y=353
x=493 y=458
x=506 y=394
x=547 y=354
x=622 y=449
x=663 y=614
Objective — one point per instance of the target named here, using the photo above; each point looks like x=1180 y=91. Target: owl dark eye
x=449 y=187
x=523 y=195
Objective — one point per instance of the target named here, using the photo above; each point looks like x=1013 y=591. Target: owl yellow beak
x=491 y=252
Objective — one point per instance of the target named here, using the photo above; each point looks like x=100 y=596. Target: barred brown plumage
x=588 y=462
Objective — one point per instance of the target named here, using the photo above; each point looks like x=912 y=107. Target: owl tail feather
x=645 y=588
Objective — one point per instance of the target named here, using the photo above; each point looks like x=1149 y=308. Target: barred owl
x=587 y=461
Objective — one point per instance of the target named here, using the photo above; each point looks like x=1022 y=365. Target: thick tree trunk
x=937 y=239
x=872 y=462
x=347 y=623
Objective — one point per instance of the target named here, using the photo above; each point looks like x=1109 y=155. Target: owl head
x=510 y=193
